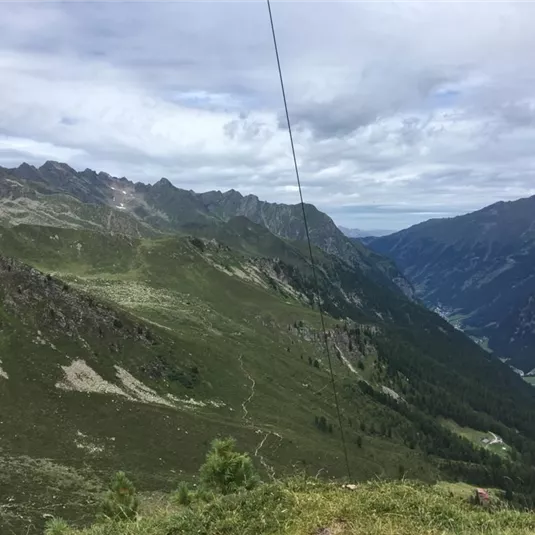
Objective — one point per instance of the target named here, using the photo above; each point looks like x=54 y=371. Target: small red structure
x=482 y=497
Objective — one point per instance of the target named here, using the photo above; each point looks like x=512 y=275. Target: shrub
x=56 y=526
x=120 y=501
x=226 y=470
x=204 y=495
x=198 y=243
x=183 y=495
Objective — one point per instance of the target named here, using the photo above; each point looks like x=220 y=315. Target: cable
x=312 y=263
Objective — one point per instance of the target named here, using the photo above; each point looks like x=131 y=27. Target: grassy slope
x=67 y=212
x=304 y=508
x=477 y=437
x=233 y=331
x=241 y=337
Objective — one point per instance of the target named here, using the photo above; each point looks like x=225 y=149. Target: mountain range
x=478 y=270
x=139 y=321
x=55 y=194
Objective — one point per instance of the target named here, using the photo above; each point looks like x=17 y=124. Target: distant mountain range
x=55 y=194
x=479 y=271
x=360 y=233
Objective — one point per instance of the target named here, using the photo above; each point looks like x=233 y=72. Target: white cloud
x=401 y=110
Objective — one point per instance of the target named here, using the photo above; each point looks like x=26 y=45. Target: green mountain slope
x=122 y=352
x=137 y=322
x=164 y=208
x=478 y=269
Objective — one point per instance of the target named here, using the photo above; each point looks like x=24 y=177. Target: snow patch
x=2 y=372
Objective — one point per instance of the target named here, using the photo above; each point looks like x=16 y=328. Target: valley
x=477 y=270
x=128 y=342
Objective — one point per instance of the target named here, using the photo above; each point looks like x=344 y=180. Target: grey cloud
x=415 y=108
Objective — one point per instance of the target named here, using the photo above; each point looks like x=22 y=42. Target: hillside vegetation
x=298 y=507
x=55 y=194
x=230 y=498
x=477 y=270
x=131 y=347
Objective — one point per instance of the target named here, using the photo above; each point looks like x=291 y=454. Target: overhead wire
x=307 y=232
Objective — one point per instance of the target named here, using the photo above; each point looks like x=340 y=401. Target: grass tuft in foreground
x=300 y=507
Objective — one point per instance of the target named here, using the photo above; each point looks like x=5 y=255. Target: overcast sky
x=402 y=111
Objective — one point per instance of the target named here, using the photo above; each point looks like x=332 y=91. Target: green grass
x=477 y=438
x=298 y=507
x=253 y=379
x=232 y=330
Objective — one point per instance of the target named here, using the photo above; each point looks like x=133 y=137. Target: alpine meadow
x=134 y=330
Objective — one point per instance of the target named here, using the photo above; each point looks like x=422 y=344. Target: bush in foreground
x=183 y=494
x=120 y=501
x=56 y=526
x=226 y=470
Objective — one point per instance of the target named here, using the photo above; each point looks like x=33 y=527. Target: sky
x=402 y=111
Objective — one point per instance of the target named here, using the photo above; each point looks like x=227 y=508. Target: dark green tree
x=225 y=470
x=120 y=501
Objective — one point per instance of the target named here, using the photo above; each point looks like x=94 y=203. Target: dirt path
x=269 y=469
x=249 y=422
x=495 y=439
x=251 y=395
x=108 y=223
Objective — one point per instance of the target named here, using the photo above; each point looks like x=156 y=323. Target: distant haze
x=363 y=233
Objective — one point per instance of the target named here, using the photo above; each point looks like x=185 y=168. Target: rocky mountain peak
x=164 y=183
x=52 y=166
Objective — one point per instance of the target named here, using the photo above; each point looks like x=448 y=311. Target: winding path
x=248 y=421
x=495 y=439
x=251 y=395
